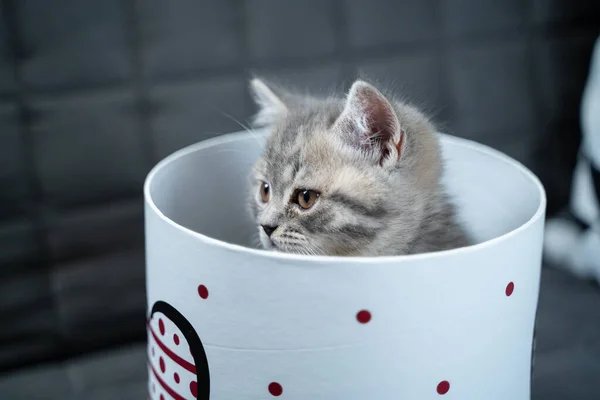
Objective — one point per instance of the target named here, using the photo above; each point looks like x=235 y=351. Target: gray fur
x=375 y=200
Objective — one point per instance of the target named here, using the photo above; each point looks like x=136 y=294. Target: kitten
x=358 y=176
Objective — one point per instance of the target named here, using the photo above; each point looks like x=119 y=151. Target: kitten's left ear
x=370 y=123
x=271 y=106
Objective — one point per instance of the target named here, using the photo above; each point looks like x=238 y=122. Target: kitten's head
x=341 y=176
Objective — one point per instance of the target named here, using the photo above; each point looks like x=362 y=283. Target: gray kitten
x=358 y=176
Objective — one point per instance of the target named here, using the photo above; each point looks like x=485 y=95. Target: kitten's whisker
x=245 y=127
x=313 y=249
x=249 y=130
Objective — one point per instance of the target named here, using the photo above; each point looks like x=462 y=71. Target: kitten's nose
x=269 y=229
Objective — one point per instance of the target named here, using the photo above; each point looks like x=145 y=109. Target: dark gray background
x=94 y=93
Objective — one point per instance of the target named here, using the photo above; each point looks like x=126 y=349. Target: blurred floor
x=568 y=349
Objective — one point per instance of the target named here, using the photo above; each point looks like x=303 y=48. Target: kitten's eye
x=265 y=191
x=306 y=198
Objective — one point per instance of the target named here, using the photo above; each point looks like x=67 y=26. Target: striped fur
x=376 y=163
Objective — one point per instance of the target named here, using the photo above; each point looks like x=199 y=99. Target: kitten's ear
x=271 y=106
x=369 y=122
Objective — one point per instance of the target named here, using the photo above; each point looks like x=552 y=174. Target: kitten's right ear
x=271 y=106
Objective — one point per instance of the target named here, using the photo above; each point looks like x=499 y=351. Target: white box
x=242 y=323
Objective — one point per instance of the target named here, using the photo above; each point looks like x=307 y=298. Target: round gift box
x=229 y=321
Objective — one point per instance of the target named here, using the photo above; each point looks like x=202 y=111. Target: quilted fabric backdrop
x=94 y=93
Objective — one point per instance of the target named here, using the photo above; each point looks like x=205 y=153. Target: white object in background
x=576 y=246
x=228 y=322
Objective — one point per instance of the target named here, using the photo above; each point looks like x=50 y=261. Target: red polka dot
x=161 y=362
x=363 y=316
x=194 y=388
x=510 y=288
x=203 y=291
x=176 y=377
x=161 y=326
x=162 y=397
x=275 y=389
x=176 y=339
x=443 y=387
